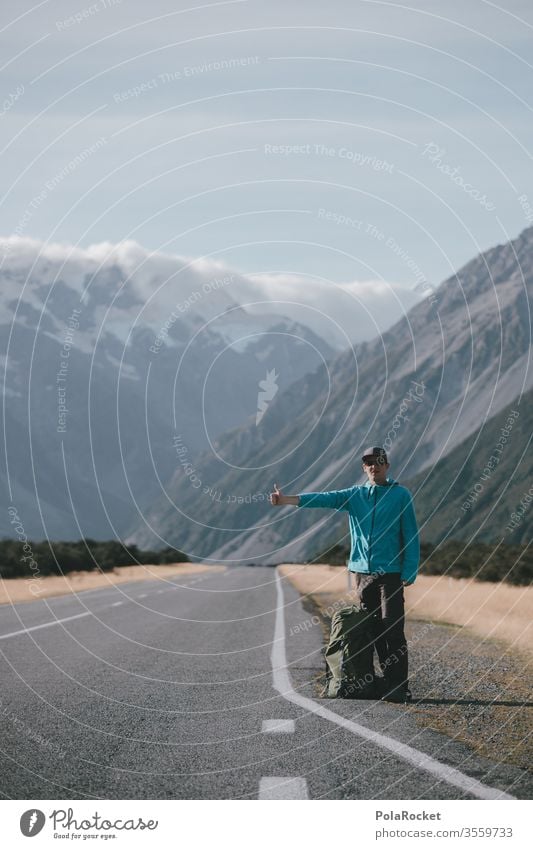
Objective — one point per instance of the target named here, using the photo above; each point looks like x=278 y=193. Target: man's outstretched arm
x=335 y=499
x=279 y=500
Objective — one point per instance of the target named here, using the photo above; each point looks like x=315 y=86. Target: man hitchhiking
x=384 y=556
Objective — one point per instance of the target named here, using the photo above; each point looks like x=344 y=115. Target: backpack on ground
x=350 y=656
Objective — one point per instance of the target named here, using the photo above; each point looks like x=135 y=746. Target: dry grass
x=496 y=611
x=15 y=590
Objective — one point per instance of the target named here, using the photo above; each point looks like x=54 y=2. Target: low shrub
x=19 y=560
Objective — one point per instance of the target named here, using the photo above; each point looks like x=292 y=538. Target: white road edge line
x=282 y=683
x=283 y=787
x=45 y=625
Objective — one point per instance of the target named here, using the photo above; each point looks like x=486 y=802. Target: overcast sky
x=353 y=141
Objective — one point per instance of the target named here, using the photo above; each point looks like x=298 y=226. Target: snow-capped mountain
x=104 y=370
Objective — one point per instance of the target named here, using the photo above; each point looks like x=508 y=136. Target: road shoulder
x=471 y=688
x=18 y=590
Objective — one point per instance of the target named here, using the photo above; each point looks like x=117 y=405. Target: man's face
x=376 y=469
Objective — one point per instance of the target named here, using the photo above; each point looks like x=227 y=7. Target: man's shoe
x=398 y=695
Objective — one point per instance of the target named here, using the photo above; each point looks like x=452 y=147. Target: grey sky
x=150 y=121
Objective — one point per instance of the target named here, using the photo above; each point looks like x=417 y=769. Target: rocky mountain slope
x=482 y=489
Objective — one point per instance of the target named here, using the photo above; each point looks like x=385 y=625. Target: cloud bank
x=344 y=313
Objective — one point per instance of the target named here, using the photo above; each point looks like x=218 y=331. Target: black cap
x=375 y=453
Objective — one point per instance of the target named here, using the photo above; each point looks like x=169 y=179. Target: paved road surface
x=204 y=688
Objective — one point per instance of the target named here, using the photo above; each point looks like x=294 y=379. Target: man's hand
x=278 y=499
x=276 y=496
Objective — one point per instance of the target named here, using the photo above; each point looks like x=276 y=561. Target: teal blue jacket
x=383 y=526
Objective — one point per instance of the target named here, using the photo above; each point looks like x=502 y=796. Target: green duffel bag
x=350 y=656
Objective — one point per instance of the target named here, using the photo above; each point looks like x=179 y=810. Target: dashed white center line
x=44 y=625
x=278 y=726
x=117 y=603
x=143 y=595
x=283 y=787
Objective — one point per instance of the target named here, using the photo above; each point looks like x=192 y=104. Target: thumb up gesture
x=276 y=496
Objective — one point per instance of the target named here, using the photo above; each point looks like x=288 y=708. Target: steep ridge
x=482 y=489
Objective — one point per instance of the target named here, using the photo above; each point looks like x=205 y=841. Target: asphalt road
x=204 y=687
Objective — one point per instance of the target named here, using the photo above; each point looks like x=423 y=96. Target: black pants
x=382 y=595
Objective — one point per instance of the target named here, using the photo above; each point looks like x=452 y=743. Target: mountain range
x=434 y=380
x=99 y=383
